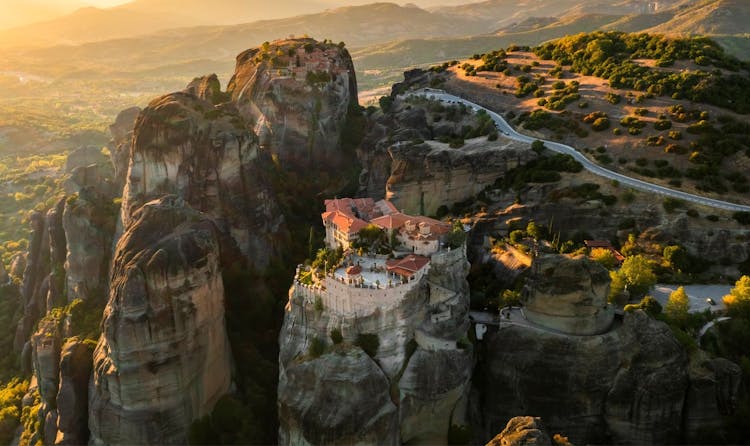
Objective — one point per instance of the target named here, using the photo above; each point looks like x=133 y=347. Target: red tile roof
x=393 y=221
x=346 y=223
x=354 y=270
x=407 y=266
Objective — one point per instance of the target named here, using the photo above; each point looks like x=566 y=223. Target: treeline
x=611 y=55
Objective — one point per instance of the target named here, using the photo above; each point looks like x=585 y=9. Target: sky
x=20 y=12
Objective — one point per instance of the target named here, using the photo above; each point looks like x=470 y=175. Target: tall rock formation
x=185 y=145
x=297 y=95
x=412 y=390
x=122 y=141
x=625 y=386
x=568 y=295
x=627 y=382
x=200 y=198
x=163 y=359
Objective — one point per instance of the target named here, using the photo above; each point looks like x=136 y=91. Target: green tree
x=537 y=146
x=604 y=256
x=316 y=348
x=738 y=299
x=677 y=257
x=635 y=276
x=534 y=231
x=648 y=304
x=677 y=307
x=639 y=275
x=336 y=336
x=457 y=236
x=369 y=342
x=510 y=298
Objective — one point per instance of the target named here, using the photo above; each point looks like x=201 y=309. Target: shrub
x=670 y=204
x=316 y=348
x=336 y=336
x=663 y=125
x=613 y=98
x=369 y=342
x=742 y=217
x=600 y=124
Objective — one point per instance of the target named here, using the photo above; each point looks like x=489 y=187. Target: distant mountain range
x=384 y=37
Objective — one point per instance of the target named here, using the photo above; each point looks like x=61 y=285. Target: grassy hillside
x=672 y=111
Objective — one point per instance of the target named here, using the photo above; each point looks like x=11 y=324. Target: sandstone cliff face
x=35 y=281
x=121 y=143
x=185 y=145
x=568 y=295
x=624 y=386
x=297 y=95
x=427 y=176
x=163 y=359
x=420 y=177
x=340 y=398
x=714 y=386
x=424 y=363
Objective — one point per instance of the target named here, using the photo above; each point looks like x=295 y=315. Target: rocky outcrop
x=58 y=250
x=35 y=284
x=84 y=156
x=713 y=391
x=624 y=386
x=121 y=143
x=17 y=266
x=297 y=94
x=163 y=359
x=402 y=159
x=72 y=395
x=45 y=346
x=207 y=88
x=89 y=220
x=4 y=276
x=523 y=431
x=427 y=176
x=340 y=398
x=568 y=295
x=423 y=356
x=185 y=145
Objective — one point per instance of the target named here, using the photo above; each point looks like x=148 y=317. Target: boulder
x=207 y=88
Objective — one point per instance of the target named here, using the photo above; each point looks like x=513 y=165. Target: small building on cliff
x=366 y=280
x=344 y=218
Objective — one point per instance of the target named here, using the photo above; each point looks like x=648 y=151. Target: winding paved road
x=596 y=169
